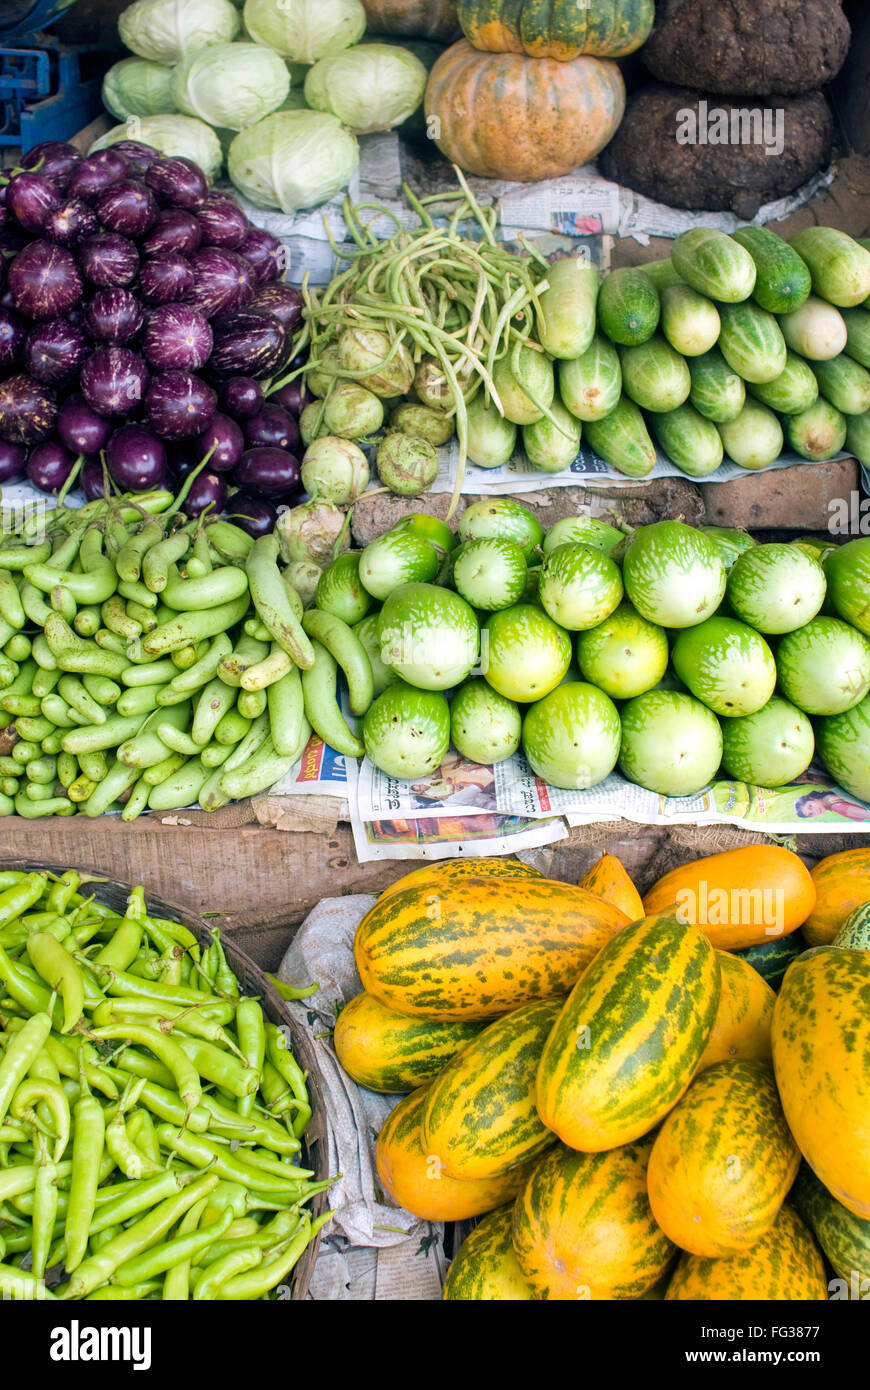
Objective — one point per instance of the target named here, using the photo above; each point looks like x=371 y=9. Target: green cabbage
x=373 y=87
x=138 y=87
x=305 y=30
x=293 y=160
x=171 y=135
x=231 y=84
x=166 y=30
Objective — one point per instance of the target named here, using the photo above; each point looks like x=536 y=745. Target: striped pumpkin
x=481 y=947
x=723 y=1161
x=560 y=29
x=609 y=880
x=480 y=1117
x=785 y=1265
x=844 y=1237
x=415 y=1180
x=384 y=1051
x=485 y=1268
x=583 y=1227
x=772 y=958
x=842 y=883
x=630 y=1037
x=854 y=934
x=456 y=871
x=740 y=898
x=503 y=115
x=821 y=1056
x=744 y=1016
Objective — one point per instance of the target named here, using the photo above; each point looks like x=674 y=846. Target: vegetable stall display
x=151 y=1117
x=609 y=1158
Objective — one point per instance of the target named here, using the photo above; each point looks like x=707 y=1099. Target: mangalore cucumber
x=590 y=385
x=783 y=279
x=751 y=342
x=818 y=433
x=654 y=375
x=628 y=307
x=754 y=439
x=623 y=441
x=690 y=321
x=690 y=441
x=714 y=264
x=845 y=383
x=794 y=390
x=717 y=393
x=839 y=265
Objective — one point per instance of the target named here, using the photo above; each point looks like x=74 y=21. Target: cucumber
x=590 y=386
x=717 y=393
x=782 y=279
x=662 y=274
x=492 y=438
x=839 y=265
x=566 y=317
x=553 y=445
x=623 y=441
x=690 y=321
x=628 y=307
x=654 y=375
x=754 y=440
x=527 y=394
x=714 y=264
x=816 y=330
x=691 y=442
x=857 y=323
x=794 y=390
x=845 y=384
x=858 y=438
x=818 y=433
x=751 y=342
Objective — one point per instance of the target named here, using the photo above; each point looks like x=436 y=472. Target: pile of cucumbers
x=736 y=346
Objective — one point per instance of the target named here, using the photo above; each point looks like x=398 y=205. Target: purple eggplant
x=207 y=490
x=266 y=253
x=177 y=336
x=139 y=157
x=293 y=397
x=166 y=279
x=268 y=472
x=44 y=280
x=95 y=174
x=223 y=281
x=28 y=410
x=272 y=428
x=108 y=259
x=179 y=405
x=54 y=351
x=71 y=222
x=177 y=182
x=223 y=222
x=128 y=207
x=49 y=466
x=12 y=336
x=30 y=198
x=136 y=459
x=80 y=428
x=226 y=439
x=13 y=458
x=114 y=316
x=113 y=381
x=255 y=515
x=284 y=301
x=92 y=480
x=173 y=230
x=251 y=344
x=55 y=160
x=242 y=397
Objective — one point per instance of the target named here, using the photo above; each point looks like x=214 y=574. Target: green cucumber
x=623 y=441
x=839 y=265
x=553 y=444
x=662 y=274
x=794 y=390
x=590 y=385
x=690 y=441
x=754 y=440
x=714 y=264
x=566 y=315
x=783 y=280
x=717 y=393
x=690 y=321
x=816 y=330
x=858 y=335
x=818 y=433
x=845 y=383
x=628 y=307
x=858 y=438
x=751 y=342
x=654 y=375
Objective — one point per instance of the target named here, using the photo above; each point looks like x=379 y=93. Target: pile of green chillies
x=148 y=661
x=150 y=1117
x=453 y=305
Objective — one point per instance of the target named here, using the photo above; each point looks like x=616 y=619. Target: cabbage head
x=231 y=84
x=138 y=87
x=293 y=160
x=305 y=30
x=166 y=30
x=372 y=87
x=171 y=135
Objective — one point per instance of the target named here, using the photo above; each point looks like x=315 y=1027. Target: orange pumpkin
x=741 y=898
x=414 y=19
x=842 y=884
x=609 y=880
x=506 y=116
